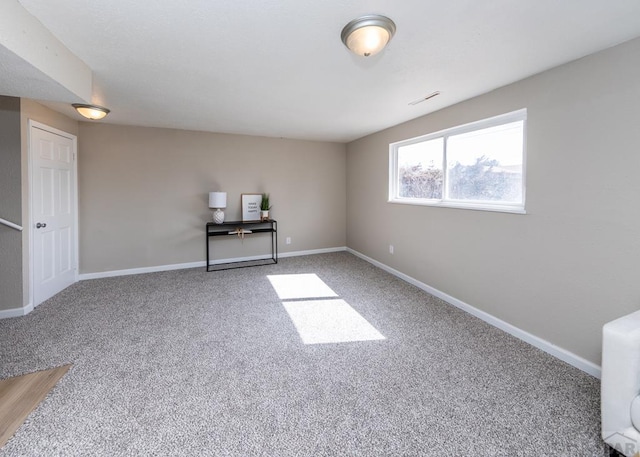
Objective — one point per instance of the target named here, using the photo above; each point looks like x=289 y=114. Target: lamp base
x=218 y=216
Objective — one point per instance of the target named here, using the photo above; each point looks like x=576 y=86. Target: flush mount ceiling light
x=368 y=35
x=93 y=112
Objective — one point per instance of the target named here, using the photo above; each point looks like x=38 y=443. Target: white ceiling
x=278 y=68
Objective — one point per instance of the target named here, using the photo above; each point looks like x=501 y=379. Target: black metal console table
x=240 y=228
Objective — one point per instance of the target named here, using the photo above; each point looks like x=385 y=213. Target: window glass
x=420 y=169
x=486 y=164
x=479 y=166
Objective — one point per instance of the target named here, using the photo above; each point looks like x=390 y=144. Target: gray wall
x=571 y=263
x=144 y=194
x=10 y=204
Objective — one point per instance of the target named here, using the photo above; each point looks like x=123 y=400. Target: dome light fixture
x=368 y=35
x=93 y=112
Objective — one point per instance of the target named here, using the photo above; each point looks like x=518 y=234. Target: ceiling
x=278 y=68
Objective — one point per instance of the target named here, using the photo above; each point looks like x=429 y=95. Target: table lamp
x=218 y=201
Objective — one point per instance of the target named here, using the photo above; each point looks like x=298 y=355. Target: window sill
x=514 y=209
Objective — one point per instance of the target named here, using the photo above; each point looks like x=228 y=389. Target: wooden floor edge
x=20 y=395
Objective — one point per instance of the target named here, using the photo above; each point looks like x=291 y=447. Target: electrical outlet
x=391 y=249
x=288 y=240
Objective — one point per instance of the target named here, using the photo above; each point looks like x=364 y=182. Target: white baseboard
x=16 y=312
x=137 y=271
x=544 y=345
x=312 y=252
x=201 y=264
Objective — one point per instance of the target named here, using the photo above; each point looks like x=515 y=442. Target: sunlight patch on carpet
x=330 y=321
x=317 y=315
x=294 y=287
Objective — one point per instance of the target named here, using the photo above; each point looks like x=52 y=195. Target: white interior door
x=53 y=203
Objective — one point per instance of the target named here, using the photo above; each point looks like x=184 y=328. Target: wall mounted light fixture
x=368 y=35
x=93 y=112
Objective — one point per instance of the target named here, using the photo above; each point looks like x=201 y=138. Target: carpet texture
x=194 y=363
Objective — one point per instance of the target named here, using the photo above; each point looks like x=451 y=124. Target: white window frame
x=518 y=208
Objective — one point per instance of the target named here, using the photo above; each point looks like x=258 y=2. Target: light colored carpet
x=195 y=363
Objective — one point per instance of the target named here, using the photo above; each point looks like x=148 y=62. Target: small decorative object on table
x=251 y=207
x=240 y=232
x=264 y=208
x=217 y=201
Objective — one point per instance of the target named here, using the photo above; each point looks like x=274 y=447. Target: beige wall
x=31 y=110
x=144 y=194
x=571 y=263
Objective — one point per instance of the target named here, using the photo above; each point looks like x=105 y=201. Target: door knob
x=41 y=225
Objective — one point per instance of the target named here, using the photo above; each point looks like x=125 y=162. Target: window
x=476 y=166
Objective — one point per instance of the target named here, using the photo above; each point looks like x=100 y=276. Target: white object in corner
x=621 y=383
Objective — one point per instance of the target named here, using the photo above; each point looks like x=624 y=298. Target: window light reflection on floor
x=317 y=316
x=294 y=287
x=330 y=321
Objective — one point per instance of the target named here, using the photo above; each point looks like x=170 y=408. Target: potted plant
x=265 y=206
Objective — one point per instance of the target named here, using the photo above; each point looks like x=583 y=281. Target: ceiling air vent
x=422 y=99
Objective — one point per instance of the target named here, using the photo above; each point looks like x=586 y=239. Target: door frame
x=74 y=183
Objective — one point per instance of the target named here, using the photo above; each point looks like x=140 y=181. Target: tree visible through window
x=479 y=165
x=420 y=169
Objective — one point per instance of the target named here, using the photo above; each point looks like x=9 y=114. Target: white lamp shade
x=93 y=112
x=368 y=41
x=217 y=199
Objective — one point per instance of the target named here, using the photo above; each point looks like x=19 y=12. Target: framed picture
x=251 y=207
